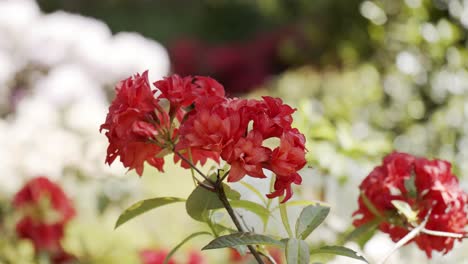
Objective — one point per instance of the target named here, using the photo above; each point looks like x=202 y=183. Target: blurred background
x=367 y=77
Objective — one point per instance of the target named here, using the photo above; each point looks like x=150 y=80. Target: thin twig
x=227 y=205
x=441 y=233
x=194 y=167
x=406 y=238
x=218 y=188
x=270 y=259
x=244 y=223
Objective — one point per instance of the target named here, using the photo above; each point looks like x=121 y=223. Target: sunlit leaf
x=405 y=209
x=338 y=250
x=309 y=219
x=144 y=206
x=297 y=252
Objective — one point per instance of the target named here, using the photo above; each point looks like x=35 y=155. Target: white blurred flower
x=7 y=70
x=56 y=125
x=378 y=247
x=58 y=37
x=86 y=115
x=67 y=84
x=130 y=53
x=16 y=17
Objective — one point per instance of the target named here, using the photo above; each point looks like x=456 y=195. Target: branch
x=441 y=233
x=194 y=167
x=232 y=214
x=406 y=238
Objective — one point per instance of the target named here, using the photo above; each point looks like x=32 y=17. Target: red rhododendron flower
x=431 y=190
x=246 y=156
x=134 y=121
x=45 y=210
x=274 y=118
x=209 y=130
x=153 y=256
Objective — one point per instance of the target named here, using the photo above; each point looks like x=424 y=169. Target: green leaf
x=363 y=233
x=410 y=185
x=285 y=219
x=238 y=239
x=144 y=206
x=309 y=219
x=201 y=201
x=405 y=209
x=297 y=252
x=166 y=260
x=338 y=250
x=253 y=207
x=231 y=193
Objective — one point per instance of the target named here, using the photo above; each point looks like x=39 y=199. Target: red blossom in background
x=236 y=257
x=45 y=210
x=428 y=186
x=240 y=66
x=201 y=124
x=154 y=256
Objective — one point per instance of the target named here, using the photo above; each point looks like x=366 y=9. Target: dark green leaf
x=310 y=218
x=238 y=239
x=166 y=260
x=338 y=250
x=297 y=252
x=144 y=206
x=201 y=201
x=231 y=193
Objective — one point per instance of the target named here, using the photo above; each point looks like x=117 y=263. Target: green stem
x=218 y=188
x=285 y=218
x=194 y=167
x=222 y=196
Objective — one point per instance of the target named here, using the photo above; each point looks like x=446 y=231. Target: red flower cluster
x=428 y=186
x=200 y=124
x=220 y=127
x=45 y=210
